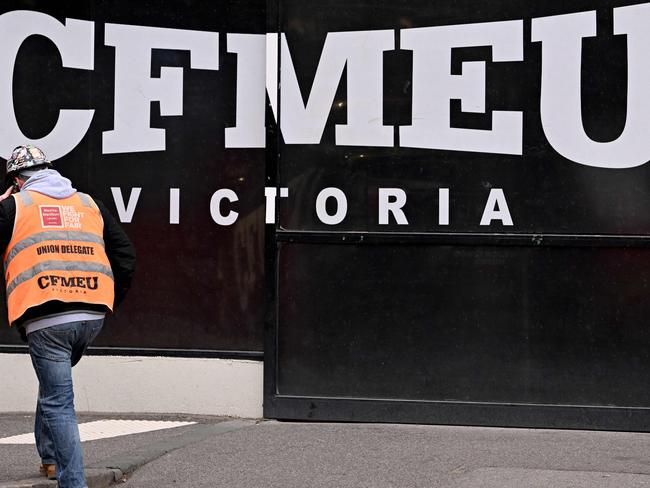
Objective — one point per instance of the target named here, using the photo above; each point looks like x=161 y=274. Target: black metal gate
x=539 y=321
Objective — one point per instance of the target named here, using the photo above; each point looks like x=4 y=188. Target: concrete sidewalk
x=111 y=460
x=268 y=454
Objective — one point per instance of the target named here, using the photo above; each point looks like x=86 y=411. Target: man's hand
x=7 y=194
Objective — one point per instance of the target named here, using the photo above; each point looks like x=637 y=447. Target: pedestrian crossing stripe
x=105 y=429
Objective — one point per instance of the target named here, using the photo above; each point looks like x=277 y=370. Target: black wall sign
x=460 y=194
x=466 y=234
x=497 y=113
x=161 y=80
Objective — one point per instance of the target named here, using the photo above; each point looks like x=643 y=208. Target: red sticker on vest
x=51 y=216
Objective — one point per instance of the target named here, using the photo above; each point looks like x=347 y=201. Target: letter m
x=361 y=54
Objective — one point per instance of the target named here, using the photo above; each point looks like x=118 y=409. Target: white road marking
x=104 y=429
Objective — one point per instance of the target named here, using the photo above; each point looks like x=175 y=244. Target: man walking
x=67 y=263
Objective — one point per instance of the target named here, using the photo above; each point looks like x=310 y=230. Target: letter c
x=215 y=201
x=75 y=41
x=43 y=282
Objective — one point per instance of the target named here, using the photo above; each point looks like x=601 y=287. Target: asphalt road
x=272 y=454
x=285 y=455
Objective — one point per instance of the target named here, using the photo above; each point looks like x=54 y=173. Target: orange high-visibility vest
x=56 y=252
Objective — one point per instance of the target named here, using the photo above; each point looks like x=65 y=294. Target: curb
x=117 y=468
x=95 y=477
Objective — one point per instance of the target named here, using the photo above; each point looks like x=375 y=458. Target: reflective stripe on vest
x=51 y=235
x=56 y=252
x=24 y=197
x=57 y=266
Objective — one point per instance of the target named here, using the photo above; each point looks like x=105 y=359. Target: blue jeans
x=54 y=351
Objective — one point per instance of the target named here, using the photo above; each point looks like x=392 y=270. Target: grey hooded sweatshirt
x=49 y=182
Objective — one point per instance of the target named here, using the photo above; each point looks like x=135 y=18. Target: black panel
x=499 y=324
x=199 y=286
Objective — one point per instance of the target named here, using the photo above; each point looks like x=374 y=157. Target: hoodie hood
x=50 y=182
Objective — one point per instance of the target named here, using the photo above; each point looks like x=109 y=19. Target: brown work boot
x=48 y=470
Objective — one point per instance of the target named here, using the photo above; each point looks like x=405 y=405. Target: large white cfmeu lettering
x=561 y=108
x=135 y=89
x=75 y=42
x=362 y=53
x=434 y=87
x=357 y=56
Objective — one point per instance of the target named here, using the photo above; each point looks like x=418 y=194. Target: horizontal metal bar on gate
x=632 y=419
x=463 y=238
x=135 y=351
x=455 y=402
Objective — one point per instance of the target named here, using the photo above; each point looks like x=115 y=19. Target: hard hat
x=25 y=157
